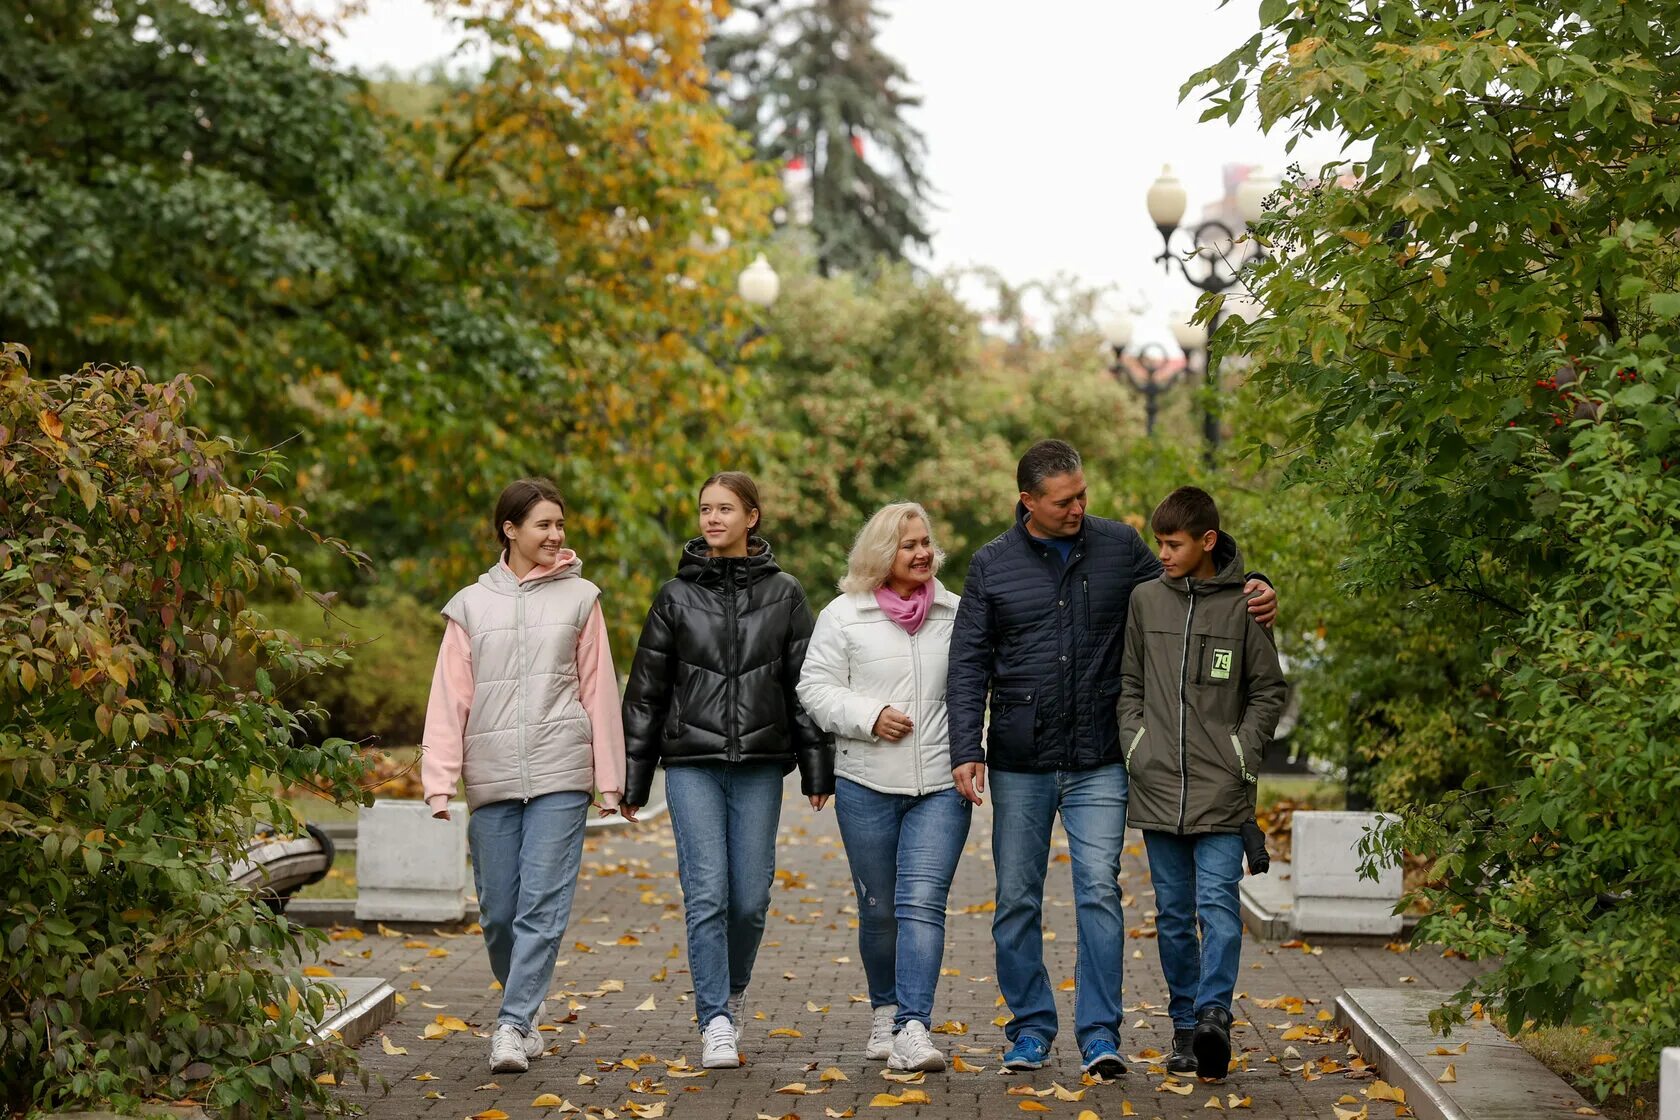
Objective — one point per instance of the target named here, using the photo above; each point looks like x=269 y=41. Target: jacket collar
x=1035 y=543
x=502 y=581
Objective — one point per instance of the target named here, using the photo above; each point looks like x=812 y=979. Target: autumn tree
x=1477 y=325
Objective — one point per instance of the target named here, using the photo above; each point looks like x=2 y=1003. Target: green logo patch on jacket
x=1221 y=665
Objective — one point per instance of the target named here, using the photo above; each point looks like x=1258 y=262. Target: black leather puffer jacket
x=715 y=672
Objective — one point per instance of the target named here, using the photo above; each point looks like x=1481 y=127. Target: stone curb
x=1495 y=1078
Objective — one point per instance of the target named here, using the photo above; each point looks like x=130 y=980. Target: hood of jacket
x=501 y=580
x=697 y=565
x=1228 y=569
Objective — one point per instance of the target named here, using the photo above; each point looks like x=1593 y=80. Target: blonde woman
x=874 y=675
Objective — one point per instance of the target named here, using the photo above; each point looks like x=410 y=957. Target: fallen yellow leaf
x=786 y=1032
x=833 y=1073
x=646 y=1005
x=325 y=1079
x=950 y=1026
x=1126 y=1109
x=795 y=1089
x=451 y=1022
x=585 y=1079
x=1213 y=1103
x=1033 y=1106
x=1383 y=1091
x=547 y=1100
x=816 y=1009
x=440 y=951
x=832 y=1114
x=434 y=1030
x=1066 y=1094
x=961 y=1066
x=1448 y=1075
x=317 y=970
x=427 y=1076
x=884 y=1100
x=489 y=1114
x=1171 y=1086
x=1234 y=1101
x=390 y=1047
x=416 y=943
x=1363 y=1113
x=1443 y=1051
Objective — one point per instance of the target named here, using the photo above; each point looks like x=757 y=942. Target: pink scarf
x=909 y=613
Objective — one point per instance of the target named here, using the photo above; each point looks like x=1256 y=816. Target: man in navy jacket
x=1039 y=633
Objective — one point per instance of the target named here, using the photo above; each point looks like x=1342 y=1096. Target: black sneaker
x=1183 y=1056
x=1211 y=1042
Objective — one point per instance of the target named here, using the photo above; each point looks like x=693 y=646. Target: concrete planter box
x=1330 y=895
x=1670 y=1084
x=410 y=867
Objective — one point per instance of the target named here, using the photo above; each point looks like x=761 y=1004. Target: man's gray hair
x=1044 y=459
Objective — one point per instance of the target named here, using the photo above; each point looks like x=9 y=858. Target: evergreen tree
x=807 y=81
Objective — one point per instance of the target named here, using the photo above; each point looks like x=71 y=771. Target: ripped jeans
x=903 y=852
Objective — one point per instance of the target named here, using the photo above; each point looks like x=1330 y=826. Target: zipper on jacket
x=524 y=713
x=915 y=724
x=1183 y=704
x=732 y=724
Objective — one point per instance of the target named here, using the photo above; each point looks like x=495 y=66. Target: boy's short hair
x=1189 y=509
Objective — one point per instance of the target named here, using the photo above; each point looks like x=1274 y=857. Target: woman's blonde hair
x=872 y=554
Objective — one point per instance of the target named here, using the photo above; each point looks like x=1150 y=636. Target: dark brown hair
x=1044 y=459
x=516 y=501
x=743 y=487
x=1186 y=510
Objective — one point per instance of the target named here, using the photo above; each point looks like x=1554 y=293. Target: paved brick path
x=623 y=973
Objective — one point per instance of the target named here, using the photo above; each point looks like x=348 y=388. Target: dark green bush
x=130 y=762
x=379 y=698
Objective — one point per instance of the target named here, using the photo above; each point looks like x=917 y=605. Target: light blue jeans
x=525 y=859
x=903 y=851
x=1196 y=881
x=1092 y=804
x=724 y=816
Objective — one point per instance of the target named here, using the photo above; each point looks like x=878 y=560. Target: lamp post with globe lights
x=1212 y=262
x=757 y=285
x=1151 y=358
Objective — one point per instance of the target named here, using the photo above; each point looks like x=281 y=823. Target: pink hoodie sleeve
x=446 y=718
x=598 y=686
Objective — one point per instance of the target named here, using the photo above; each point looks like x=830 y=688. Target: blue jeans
x=1196 y=877
x=724 y=817
x=1092 y=804
x=525 y=858
x=903 y=851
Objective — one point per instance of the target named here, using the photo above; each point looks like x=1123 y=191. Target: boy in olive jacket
x=1200 y=693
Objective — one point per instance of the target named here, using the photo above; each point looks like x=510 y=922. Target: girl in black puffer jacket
x=711 y=698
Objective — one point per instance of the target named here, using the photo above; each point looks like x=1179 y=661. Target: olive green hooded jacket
x=1201 y=691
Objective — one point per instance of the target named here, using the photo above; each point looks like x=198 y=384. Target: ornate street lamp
x=1151 y=358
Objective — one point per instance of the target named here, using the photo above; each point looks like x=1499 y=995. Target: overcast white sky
x=1046 y=121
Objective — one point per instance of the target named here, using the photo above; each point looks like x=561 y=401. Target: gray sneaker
x=879 y=1047
x=511 y=1049
x=913 y=1049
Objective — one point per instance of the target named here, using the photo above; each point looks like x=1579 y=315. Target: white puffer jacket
x=859 y=662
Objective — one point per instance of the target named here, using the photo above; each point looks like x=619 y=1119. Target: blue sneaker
x=1029 y=1052
x=1103 y=1060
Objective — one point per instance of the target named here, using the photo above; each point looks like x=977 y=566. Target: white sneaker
x=880 y=1044
x=913 y=1048
x=738 y=1010
x=718 y=1049
x=511 y=1049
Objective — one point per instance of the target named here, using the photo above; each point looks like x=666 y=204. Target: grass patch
x=340 y=881
x=1308 y=792
x=1568 y=1052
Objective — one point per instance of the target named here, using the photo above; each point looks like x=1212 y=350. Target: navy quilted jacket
x=1044 y=642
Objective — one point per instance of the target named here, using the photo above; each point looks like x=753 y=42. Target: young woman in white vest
x=711 y=698
x=524 y=706
x=875 y=677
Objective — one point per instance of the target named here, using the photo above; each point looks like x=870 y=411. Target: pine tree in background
x=806 y=80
